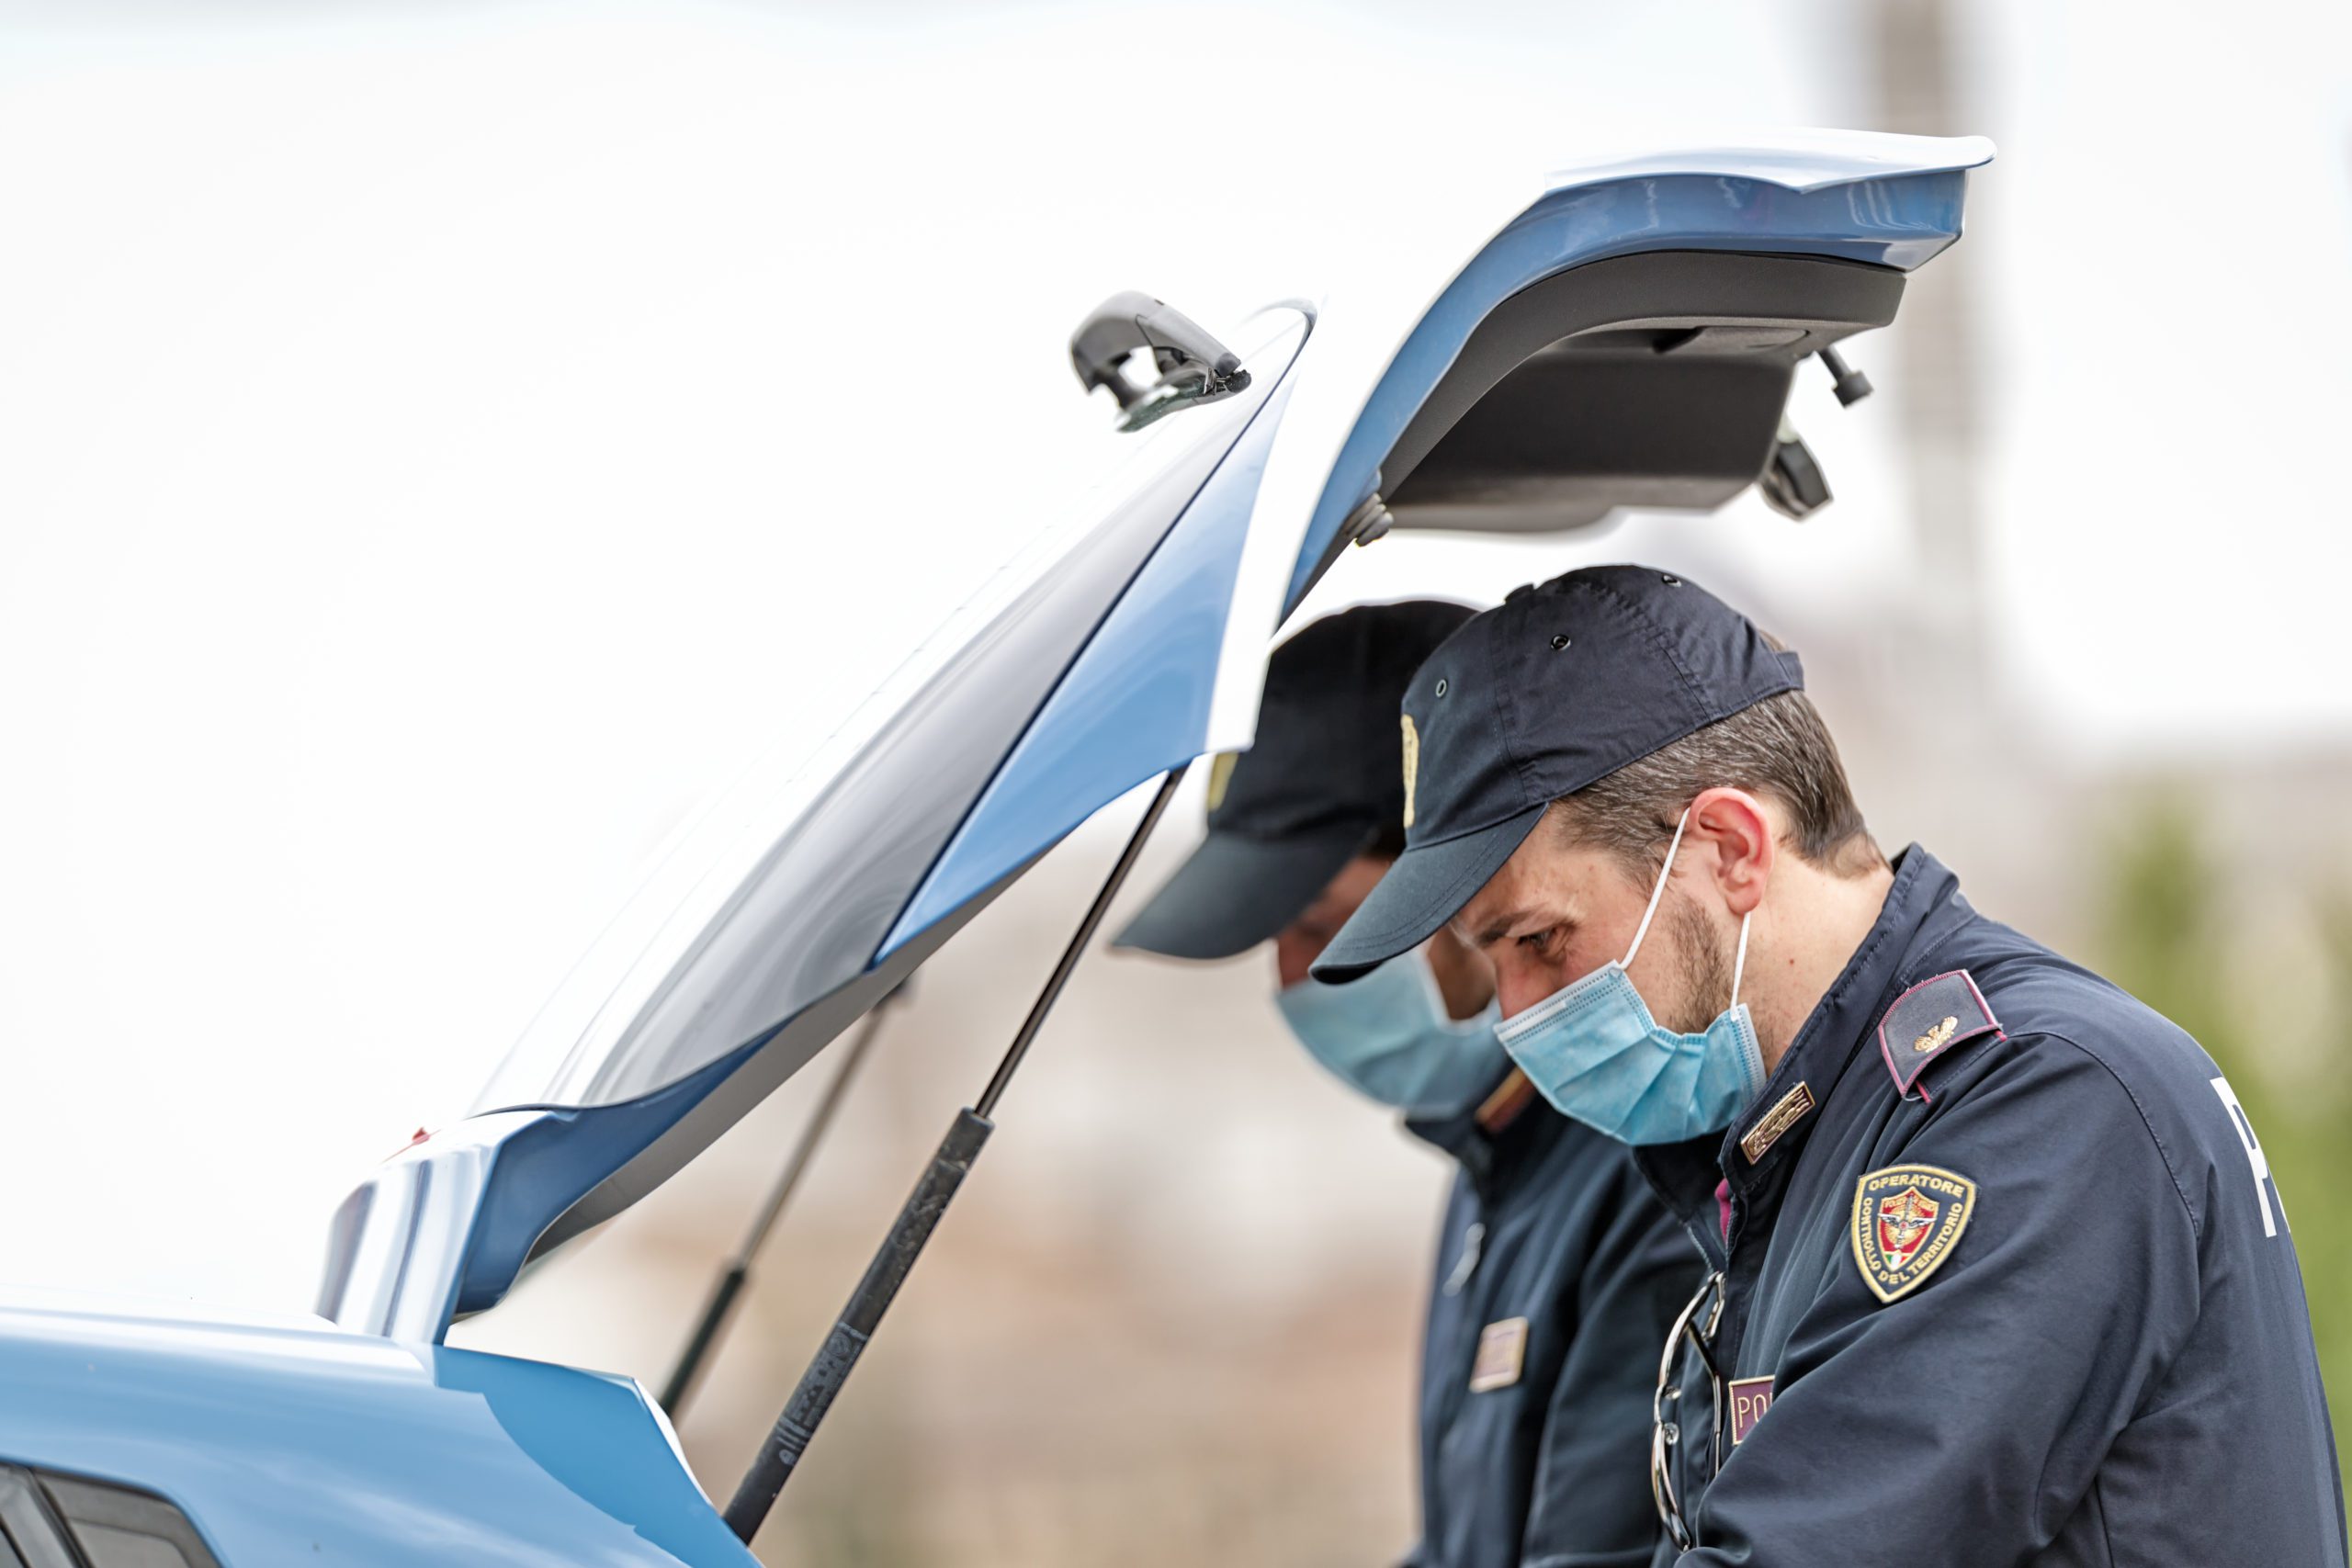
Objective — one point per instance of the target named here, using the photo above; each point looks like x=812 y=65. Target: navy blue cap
x=1320 y=785
x=1559 y=686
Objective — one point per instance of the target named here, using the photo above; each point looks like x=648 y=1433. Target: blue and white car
x=1623 y=333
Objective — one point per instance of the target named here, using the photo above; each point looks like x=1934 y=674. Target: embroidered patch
x=1907 y=1219
x=1750 y=1397
x=1502 y=1350
x=1786 y=1112
x=1937 y=1035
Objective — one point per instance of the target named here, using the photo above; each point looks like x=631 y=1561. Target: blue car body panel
x=549 y=1166
x=289 y=1441
x=473 y=1204
x=1132 y=706
x=476 y=1206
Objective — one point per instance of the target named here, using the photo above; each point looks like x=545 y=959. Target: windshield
x=785 y=886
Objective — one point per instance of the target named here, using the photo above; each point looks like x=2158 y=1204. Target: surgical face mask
x=1388 y=1036
x=1593 y=1050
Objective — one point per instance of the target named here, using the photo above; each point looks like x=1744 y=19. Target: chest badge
x=1750 y=1397
x=1502 y=1352
x=1786 y=1112
x=1907 y=1219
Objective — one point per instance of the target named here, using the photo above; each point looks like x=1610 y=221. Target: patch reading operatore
x=1907 y=1220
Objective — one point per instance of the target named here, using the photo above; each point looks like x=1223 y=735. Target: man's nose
x=1521 y=983
x=1516 y=987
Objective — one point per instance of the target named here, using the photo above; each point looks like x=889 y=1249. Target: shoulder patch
x=1927 y=1020
x=1907 y=1219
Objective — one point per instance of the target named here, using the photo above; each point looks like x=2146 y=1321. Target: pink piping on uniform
x=1886 y=1052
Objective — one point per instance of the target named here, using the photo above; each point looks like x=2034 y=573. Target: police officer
x=1999 y=1272
x=1558 y=1272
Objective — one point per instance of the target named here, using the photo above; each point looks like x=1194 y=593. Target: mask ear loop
x=1739 y=965
x=1659 y=892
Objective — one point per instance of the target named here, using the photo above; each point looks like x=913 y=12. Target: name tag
x=1502 y=1352
x=1750 y=1397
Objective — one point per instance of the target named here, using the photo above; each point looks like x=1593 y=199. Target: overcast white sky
x=443 y=442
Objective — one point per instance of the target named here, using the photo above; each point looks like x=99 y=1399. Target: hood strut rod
x=730 y=1282
x=854 y=1329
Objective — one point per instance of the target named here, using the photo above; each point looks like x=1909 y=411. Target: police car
x=1623 y=333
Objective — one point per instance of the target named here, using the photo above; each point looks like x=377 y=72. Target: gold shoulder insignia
x=1936 y=1017
x=1936 y=1036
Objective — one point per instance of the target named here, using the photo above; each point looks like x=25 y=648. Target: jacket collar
x=1919 y=910
x=1480 y=1136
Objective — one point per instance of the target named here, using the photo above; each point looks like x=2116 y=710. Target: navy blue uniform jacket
x=2007 y=1283
x=1558 y=1257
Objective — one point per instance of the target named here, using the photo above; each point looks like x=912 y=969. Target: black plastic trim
x=99 y=1505
x=31 y=1526
x=1652 y=380
x=51 y=1521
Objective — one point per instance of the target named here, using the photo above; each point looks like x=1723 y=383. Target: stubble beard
x=1703 y=968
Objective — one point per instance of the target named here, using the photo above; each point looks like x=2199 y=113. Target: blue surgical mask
x=1389 y=1036
x=1593 y=1050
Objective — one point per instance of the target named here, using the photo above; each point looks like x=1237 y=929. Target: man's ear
x=1735 y=831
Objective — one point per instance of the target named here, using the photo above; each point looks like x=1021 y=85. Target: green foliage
x=2168 y=932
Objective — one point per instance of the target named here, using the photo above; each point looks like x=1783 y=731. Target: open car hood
x=1623 y=333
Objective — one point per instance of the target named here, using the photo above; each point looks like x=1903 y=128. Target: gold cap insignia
x=1220 y=776
x=1412 y=763
x=1936 y=1036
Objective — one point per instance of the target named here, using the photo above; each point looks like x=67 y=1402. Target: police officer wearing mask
x=1999 y=1273
x=1558 y=1272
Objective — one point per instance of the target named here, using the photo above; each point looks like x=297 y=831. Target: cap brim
x=1237 y=892
x=1425 y=888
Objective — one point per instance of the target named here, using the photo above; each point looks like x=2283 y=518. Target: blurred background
x=440 y=442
